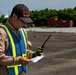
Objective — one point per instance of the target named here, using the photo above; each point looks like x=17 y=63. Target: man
x=14 y=55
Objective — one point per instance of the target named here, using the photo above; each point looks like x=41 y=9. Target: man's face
x=17 y=22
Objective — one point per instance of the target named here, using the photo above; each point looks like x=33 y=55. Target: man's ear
x=14 y=16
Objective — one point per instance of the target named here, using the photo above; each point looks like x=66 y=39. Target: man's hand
x=29 y=51
x=24 y=61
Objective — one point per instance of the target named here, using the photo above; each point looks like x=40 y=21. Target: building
x=54 y=22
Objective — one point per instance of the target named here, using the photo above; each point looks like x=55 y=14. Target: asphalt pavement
x=60 y=53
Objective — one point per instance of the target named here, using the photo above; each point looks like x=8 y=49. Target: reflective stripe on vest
x=14 y=48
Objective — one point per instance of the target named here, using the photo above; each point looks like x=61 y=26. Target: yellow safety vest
x=14 y=54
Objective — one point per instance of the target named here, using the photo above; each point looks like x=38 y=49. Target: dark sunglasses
x=22 y=21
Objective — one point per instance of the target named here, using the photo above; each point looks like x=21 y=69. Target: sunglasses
x=22 y=21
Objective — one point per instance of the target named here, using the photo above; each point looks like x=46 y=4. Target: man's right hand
x=24 y=61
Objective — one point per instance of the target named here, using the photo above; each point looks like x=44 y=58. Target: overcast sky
x=7 y=5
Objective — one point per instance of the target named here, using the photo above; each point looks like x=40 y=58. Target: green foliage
x=42 y=15
x=65 y=14
x=3 y=19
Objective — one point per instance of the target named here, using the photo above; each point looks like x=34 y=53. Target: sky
x=7 y=5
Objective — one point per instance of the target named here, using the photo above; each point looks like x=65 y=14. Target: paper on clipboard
x=36 y=59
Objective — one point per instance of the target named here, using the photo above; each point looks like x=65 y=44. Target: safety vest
x=17 y=48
